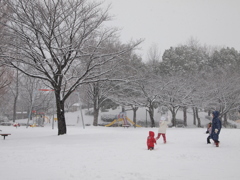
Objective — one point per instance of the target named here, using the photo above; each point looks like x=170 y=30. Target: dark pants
x=150 y=147
x=208 y=139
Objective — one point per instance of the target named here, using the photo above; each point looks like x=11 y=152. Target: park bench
x=4 y=135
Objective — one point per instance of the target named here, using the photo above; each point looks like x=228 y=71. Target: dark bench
x=4 y=135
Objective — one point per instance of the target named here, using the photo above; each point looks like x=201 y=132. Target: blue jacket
x=216 y=124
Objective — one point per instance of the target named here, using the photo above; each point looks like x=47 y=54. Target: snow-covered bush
x=208 y=117
x=89 y=112
x=3 y=118
x=108 y=117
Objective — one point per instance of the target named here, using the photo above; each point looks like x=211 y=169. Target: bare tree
x=149 y=87
x=62 y=42
x=154 y=55
x=176 y=93
x=129 y=95
x=99 y=92
x=33 y=98
x=224 y=92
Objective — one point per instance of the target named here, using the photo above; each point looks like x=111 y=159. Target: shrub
x=89 y=112
x=108 y=117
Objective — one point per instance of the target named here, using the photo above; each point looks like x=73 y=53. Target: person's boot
x=217 y=143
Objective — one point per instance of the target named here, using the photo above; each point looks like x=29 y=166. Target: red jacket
x=151 y=140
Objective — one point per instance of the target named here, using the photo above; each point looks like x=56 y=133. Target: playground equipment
x=33 y=125
x=122 y=117
x=40 y=121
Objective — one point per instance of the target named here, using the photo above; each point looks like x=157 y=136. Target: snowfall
x=116 y=153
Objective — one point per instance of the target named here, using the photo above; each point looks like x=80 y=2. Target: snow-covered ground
x=116 y=153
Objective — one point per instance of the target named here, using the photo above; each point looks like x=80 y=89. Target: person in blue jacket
x=216 y=127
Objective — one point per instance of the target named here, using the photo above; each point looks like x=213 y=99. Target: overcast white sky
x=172 y=22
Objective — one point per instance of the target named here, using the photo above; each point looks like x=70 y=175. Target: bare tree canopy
x=61 y=42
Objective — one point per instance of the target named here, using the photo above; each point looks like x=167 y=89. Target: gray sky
x=168 y=23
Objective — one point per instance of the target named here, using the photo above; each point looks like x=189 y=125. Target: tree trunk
x=173 y=116
x=134 y=115
x=15 y=99
x=32 y=96
x=151 y=114
x=15 y=107
x=209 y=113
x=194 y=116
x=62 y=129
x=225 y=120
x=96 y=106
x=185 y=116
x=198 y=119
x=95 y=116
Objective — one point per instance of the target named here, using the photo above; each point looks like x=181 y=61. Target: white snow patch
x=115 y=153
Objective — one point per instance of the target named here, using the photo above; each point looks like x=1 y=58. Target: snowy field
x=115 y=153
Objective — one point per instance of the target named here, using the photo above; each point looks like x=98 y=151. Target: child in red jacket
x=151 y=140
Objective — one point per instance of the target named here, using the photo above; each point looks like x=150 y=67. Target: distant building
x=19 y=115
